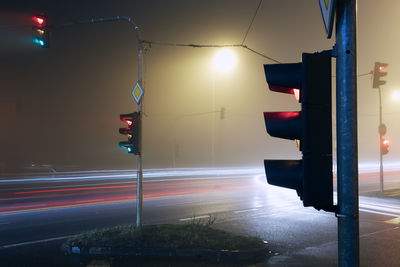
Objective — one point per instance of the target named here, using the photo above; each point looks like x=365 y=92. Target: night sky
x=61 y=105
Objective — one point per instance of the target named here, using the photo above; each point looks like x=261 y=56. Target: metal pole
x=380 y=143
x=139 y=184
x=346 y=119
x=213 y=123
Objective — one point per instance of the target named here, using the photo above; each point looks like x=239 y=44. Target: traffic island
x=194 y=241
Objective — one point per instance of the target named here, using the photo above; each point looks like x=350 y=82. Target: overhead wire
x=251 y=23
x=209 y=46
x=242 y=45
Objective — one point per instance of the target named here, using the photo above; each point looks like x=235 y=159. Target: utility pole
x=346 y=121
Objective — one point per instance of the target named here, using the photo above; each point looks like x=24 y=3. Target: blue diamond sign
x=137 y=92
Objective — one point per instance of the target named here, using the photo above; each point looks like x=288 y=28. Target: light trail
x=129 y=174
x=109 y=187
x=59 y=197
x=389 y=207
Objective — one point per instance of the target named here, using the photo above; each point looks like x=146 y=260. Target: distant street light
x=396 y=95
x=225 y=60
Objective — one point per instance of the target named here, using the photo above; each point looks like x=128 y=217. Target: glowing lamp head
x=40 y=31
x=38 y=41
x=382 y=67
x=298 y=143
x=126 y=120
x=225 y=60
x=39 y=21
x=396 y=95
x=296 y=93
x=385 y=142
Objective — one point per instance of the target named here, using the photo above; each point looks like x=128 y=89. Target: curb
x=253 y=255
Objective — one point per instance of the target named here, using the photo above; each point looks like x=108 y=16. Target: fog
x=60 y=106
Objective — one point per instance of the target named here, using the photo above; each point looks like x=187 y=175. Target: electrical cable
x=252 y=20
x=209 y=45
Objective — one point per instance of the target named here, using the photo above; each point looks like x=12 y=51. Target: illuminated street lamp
x=225 y=60
x=396 y=95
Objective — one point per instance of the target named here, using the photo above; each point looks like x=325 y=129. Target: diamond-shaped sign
x=328 y=11
x=137 y=92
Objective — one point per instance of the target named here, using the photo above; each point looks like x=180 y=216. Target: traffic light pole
x=380 y=143
x=346 y=119
x=139 y=185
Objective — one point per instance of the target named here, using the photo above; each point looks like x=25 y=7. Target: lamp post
x=224 y=61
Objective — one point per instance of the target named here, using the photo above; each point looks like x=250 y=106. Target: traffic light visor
x=285 y=173
x=284 y=77
x=284 y=124
x=130 y=118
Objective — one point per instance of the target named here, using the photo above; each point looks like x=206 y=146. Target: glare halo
x=225 y=60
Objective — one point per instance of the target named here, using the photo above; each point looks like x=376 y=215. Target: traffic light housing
x=132 y=130
x=310 y=82
x=378 y=73
x=41 y=30
x=384 y=146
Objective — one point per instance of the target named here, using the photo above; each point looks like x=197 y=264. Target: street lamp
x=224 y=60
x=396 y=95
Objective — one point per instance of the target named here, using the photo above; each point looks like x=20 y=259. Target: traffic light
x=132 y=131
x=310 y=82
x=41 y=30
x=378 y=73
x=384 y=146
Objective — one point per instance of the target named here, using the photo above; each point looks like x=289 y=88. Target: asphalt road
x=38 y=212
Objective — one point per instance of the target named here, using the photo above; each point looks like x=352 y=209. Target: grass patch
x=193 y=235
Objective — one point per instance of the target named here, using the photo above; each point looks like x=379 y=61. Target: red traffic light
x=39 y=20
x=132 y=132
x=128 y=121
x=130 y=118
x=384 y=146
x=385 y=142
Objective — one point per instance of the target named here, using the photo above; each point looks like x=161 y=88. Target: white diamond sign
x=137 y=92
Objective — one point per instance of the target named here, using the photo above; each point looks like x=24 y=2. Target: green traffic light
x=39 y=41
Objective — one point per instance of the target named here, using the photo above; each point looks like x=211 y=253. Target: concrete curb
x=252 y=255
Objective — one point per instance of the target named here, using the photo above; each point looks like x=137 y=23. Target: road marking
x=240 y=211
x=194 y=218
x=379 y=232
x=35 y=242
